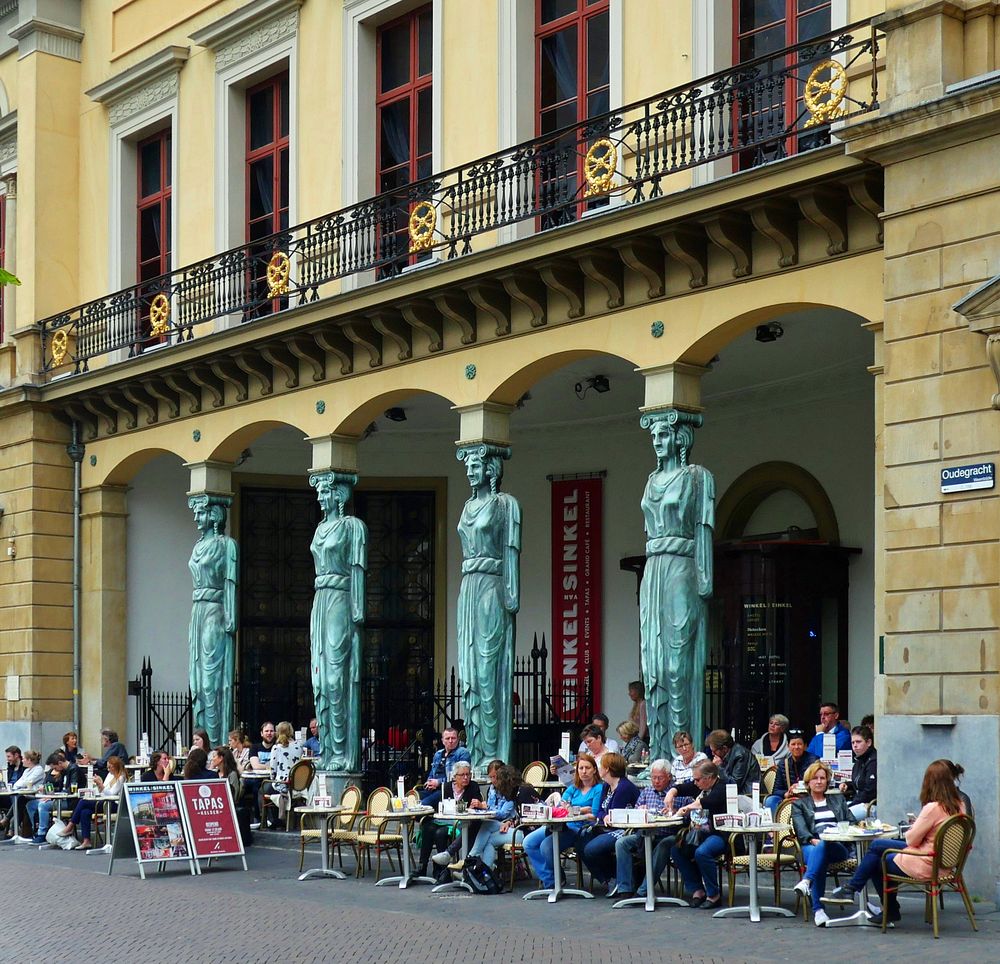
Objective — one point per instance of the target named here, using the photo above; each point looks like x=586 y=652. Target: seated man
x=312 y=743
x=829 y=722
x=110 y=746
x=737 y=763
x=57 y=769
x=629 y=846
x=863 y=787
x=441 y=766
x=791 y=770
x=15 y=767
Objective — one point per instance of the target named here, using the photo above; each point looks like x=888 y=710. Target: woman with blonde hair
x=109 y=787
x=285 y=753
x=632 y=746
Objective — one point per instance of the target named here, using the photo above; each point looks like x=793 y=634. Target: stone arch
x=515 y=385
x=124 y=471
x=229 y=449
x=757 y=484
x=355 y=423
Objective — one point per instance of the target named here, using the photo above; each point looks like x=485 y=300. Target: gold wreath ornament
x=599 y=167
x=823 y=97
x=159 y=315
x=279 y=268
x=60 y=345
x=423 y=220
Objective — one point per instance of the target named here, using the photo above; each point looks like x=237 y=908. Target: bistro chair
x=785 y=855
x=300 y=778
x=341 y=826
x=511 y=853
x=767 y=781
x=535 y=774
x=373 y=835
x=952 y=845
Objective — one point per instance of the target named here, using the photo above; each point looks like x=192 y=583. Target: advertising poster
x=157 y=823
x=212 y=818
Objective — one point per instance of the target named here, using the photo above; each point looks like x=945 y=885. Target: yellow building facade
x=248 y=231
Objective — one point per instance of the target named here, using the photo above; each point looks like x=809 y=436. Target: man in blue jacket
x=829 y=722
x=445 y=758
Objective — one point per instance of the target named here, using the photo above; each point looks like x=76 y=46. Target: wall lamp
x=772 y=331
x=599 y=383
x=395 y=414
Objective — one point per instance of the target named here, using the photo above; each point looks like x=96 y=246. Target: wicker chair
x=535 y=773
x=373 y=835
x=952 y=844
x=785 y=856
x=511 y=853
x=341 y=830
x=300 y=778
x=767 y=779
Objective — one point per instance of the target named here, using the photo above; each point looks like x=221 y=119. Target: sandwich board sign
x=211 y=819
x=151 y=827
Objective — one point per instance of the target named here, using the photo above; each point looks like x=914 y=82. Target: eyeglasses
x=683 y=743
x=794 y=733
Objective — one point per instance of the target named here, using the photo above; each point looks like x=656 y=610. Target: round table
x=407 y=878
x=557 y=890
x=753 y=908
x=861 y=840
x=649 y=830
x=324 y=869
x=463 y=819
x=16 y=821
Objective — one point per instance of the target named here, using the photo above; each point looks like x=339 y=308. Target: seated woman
x=435 y=831
x=196 y=766
x=695 y=859
x=201 y=741
x=632 y=748
x=774 y=743
x=226 y=769
x=791 y=770
x=940 y=800
x=108 y=788
x=619 y=794
x=285 y=753
x=161 y=768
x=505 y=798
x=811 y=815
x=240 y=750
x=585 y=793
x=683 y=764
x=863 y=788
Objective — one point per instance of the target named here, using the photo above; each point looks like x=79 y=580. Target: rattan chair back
x=952 y=844
x=350 y=801
x=535 y=773
x=300 y=777
x=379 y=804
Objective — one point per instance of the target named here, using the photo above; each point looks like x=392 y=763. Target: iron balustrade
x=755 y=112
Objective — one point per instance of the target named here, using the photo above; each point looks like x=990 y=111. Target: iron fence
x=158 y=713
x=756 y=112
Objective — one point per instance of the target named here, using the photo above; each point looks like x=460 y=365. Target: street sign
x=962 y=478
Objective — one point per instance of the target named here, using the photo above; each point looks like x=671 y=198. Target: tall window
x=267 y=181
x=572 y=84
x=764 y=27
x=153 y=218
x=404 y=57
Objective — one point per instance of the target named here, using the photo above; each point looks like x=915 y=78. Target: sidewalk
x=267 y=915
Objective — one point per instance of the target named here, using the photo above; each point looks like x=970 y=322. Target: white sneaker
x=255 y=826
x=821 y=919
x=442 y=858
x=803 y=887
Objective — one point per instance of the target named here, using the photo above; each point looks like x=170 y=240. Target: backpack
x=479 y=877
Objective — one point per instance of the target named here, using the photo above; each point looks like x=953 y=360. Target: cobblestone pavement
x=330 y=920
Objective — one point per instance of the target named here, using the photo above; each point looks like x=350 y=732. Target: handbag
x=55 y=838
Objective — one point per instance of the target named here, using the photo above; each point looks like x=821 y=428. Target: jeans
x=42 y=809
x=599 y=856
x=538 y=847
x=703 y=872
x=489 y=840
x=818 y=857
x=632 y=845
x=870 y=869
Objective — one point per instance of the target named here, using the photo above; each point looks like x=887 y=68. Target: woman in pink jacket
x=940 y=799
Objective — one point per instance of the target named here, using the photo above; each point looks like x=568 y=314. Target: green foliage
x=6 y=278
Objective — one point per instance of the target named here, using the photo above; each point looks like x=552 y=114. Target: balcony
x=741 y=118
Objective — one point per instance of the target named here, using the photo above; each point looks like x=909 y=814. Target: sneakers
x=804 y=887
x=442 y=858
x=842 y=895
x=458 y=865
x=39 y=839
x=820 y=918
x=612 y=889
x=255 y=826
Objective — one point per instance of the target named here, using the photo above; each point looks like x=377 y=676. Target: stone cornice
x=48 y=37
x=249 y=19
x=981 y=307
x=924 y=9
x=146 y=74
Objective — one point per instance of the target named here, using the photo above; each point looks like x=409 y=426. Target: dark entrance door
x=276 y=592
x=780 y=634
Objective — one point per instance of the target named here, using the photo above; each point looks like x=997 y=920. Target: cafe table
x=324 y=869
x=106 y=803
x=556 y=891
x=16 y=816
x=404 y=817
x=463 y=819
x=861 y=840
x=649 y=830
x=61 y=797
x=754 y=909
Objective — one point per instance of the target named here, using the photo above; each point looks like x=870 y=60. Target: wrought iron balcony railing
x=753 y=113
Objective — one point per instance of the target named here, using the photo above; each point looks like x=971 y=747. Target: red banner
x=576 y=591
x=212 y=818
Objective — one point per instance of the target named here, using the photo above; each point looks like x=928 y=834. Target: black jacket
x=741 y=767
x=863 y=787
x=713 y=800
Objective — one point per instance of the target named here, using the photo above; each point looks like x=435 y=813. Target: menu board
x=212 y=818
x=151 y=827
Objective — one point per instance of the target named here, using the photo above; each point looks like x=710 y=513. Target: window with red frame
x=404 y=118
x=572 y=83
x=153 y=218
x=267 y=157
x=763 y=27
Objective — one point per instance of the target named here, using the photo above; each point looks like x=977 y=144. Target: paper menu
x=755 y=796
x=829 y=747
x=732 y=798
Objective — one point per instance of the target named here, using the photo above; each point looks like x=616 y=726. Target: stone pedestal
x=336 y=781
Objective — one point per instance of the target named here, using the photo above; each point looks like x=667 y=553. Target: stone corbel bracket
x=981 y=309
